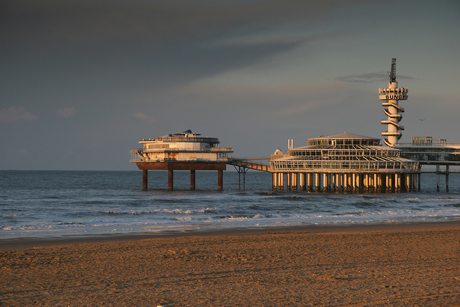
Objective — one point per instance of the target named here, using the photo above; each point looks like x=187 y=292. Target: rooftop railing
x=201 y=150
x=183 y=139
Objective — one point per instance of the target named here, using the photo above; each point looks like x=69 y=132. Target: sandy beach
x=416 y=265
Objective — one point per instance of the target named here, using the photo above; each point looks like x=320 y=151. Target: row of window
x=343 y=142
x=339 y=153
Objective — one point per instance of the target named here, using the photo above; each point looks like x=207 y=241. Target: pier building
x=343 y=162
x=181 y=151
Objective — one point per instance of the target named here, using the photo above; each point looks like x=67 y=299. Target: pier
x=335 y=163
x=343 y=162
x=434 y=156
x=181 y=151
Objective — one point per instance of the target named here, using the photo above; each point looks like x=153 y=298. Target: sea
x=64 y=204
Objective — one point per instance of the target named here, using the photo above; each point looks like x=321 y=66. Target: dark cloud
x=75 y=46
x=163 y=20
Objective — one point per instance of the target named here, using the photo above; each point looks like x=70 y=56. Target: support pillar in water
x=447 y=178
x=419 y=182
x=170 y=180
x=437 y=178
x=145 y=179
x=220 y=180
x=192 y=180
x=295 y=181
x=317 y=182
x=303 y=177
x=376 y=184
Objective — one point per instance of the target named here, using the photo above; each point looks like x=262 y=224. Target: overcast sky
x=82 y=81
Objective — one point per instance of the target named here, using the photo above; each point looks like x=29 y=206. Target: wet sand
x=333 y=266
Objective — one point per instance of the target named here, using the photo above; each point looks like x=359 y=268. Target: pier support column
x=419 y=182
x=325 y=182
x=295 y=177
x=303 y=177
x=437 y=178
x=397 y=183
x=447 y=178
x=447 y=182
x=354 y=182
x=192 y=180
x=280 y=181
x=220 y=180
x=317 y=183
x=145 y=179
x=170 y=180
x=376 y=184
x=310 y=182
x=274 y=181
x=288 y=181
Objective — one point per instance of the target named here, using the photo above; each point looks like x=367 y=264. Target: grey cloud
x=15 y=114
x=65 y=112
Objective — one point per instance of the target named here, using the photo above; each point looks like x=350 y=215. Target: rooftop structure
x=391 y=96
x=181 y=147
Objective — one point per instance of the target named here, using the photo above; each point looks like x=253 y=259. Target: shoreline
x=29 y=243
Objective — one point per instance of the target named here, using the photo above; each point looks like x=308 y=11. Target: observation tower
x=391 y=96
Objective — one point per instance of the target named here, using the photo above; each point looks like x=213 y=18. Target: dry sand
x=291 y=268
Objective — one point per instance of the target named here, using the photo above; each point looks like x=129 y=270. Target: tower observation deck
x=390 y=97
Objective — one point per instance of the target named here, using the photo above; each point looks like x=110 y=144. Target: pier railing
x=344 y=166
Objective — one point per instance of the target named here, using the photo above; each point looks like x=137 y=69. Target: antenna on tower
x=393 y=70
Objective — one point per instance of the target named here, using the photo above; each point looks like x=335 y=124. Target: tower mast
x=390 y=97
